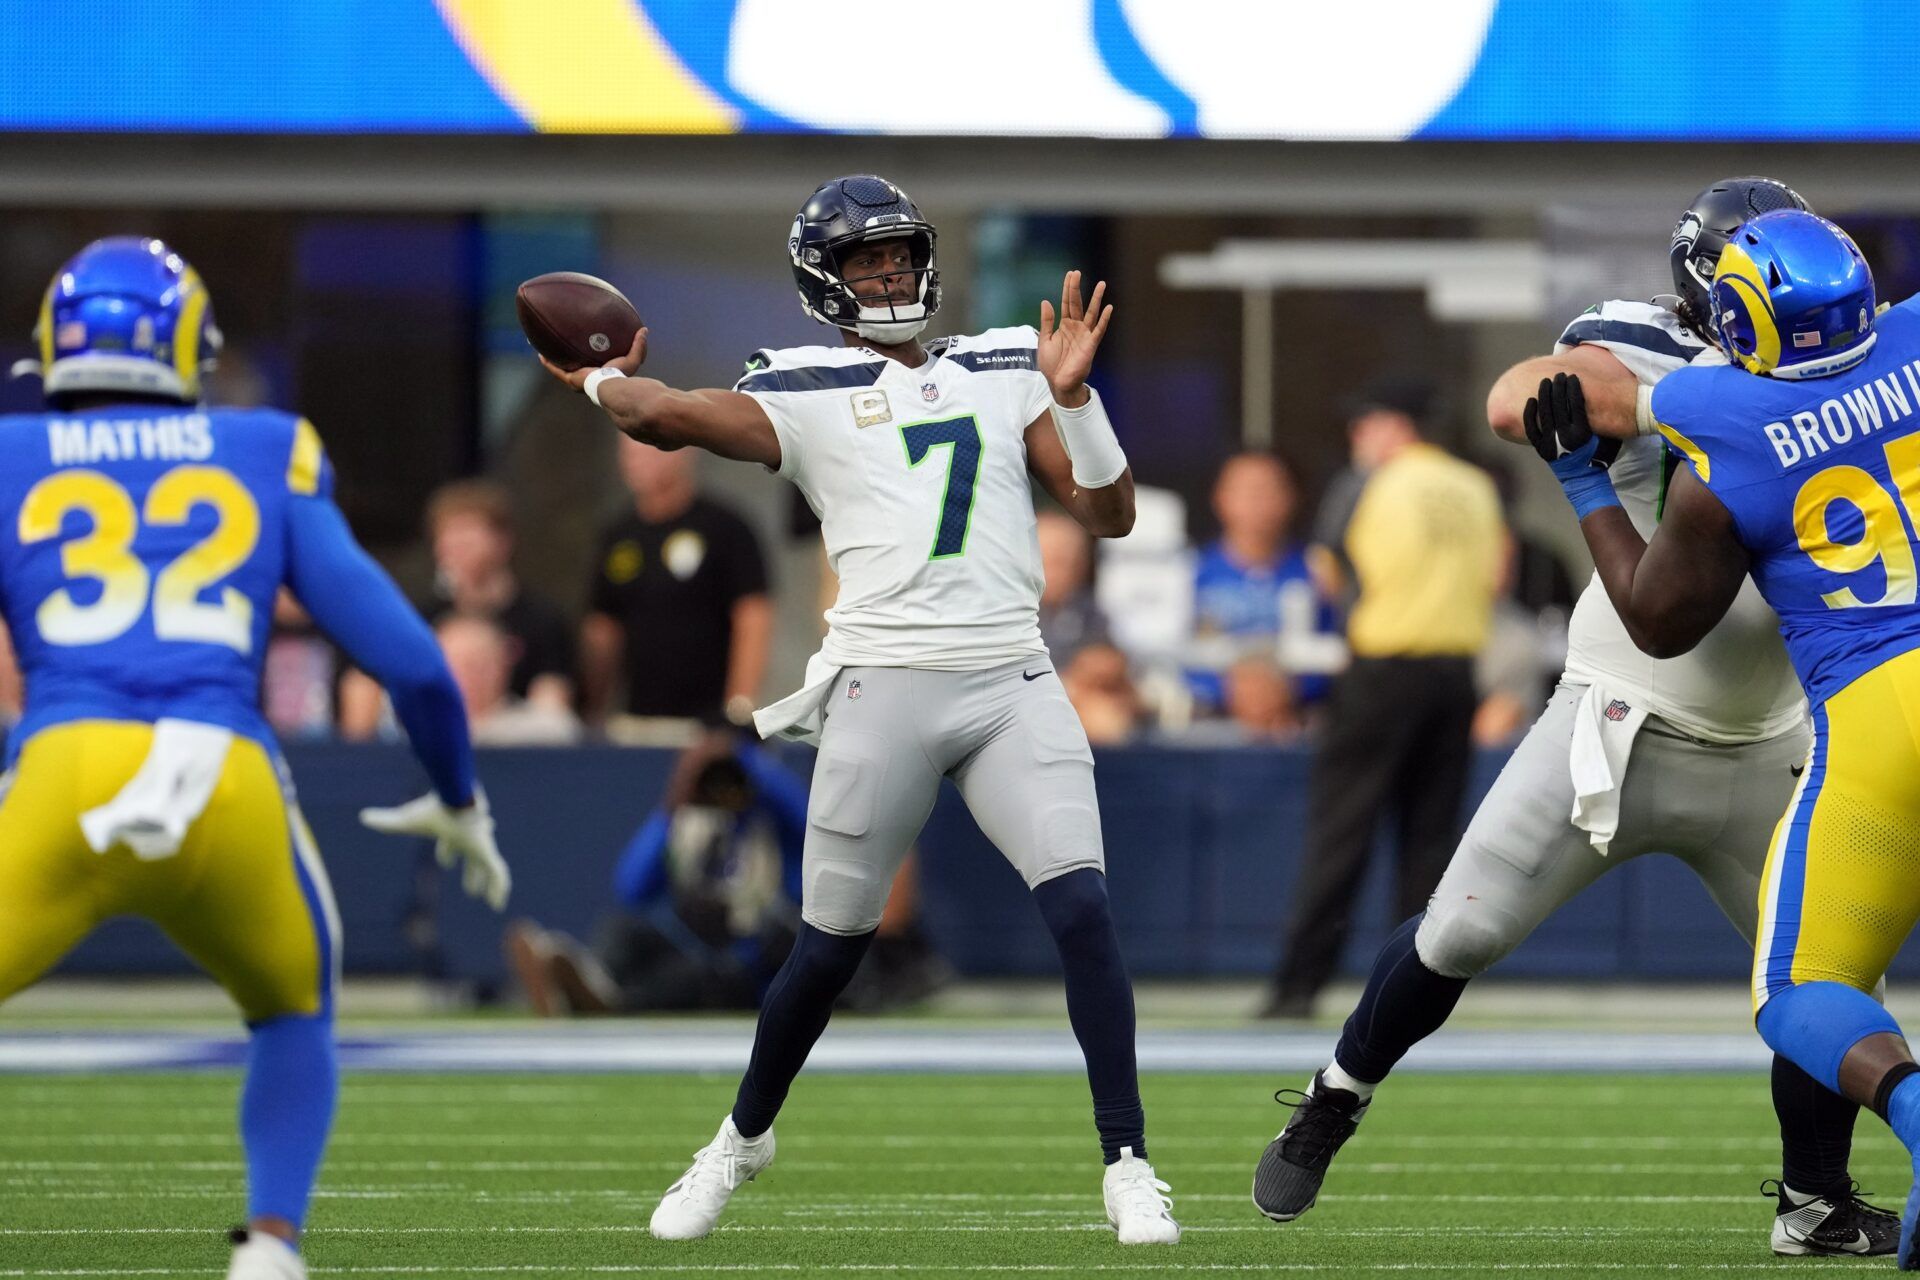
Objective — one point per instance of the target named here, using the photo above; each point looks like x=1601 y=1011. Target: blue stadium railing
x=1202 y=847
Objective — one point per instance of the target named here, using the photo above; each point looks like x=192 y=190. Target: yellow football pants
x=245 y=897
x=1841 y=890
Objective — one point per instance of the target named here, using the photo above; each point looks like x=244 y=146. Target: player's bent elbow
x=1504 y=413
x=1664 y=644
x=1117 y=524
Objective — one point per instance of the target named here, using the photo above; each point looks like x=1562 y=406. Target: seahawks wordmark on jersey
x=1736 y=685
x=919 y=477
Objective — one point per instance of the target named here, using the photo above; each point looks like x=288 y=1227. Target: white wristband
x=1088 y=438
x=598 y=376
x=1643 y=412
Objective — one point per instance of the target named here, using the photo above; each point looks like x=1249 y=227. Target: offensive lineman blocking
x=1693 y=756
x=918 y=460
x=1800 y=468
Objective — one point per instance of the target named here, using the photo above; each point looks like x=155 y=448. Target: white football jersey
x=1736 y=685
x=919 y=477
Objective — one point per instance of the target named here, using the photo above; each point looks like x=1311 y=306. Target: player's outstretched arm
x=1611 y=389
x=726 y=423
x=1669 y=593
x=356 y=604
x=1071 y=449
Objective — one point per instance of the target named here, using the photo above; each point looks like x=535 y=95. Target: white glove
x=464 y=835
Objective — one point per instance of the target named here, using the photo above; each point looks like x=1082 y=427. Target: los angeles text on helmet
x=1865 y=409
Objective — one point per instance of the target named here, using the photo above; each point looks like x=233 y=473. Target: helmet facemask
x=882 y=319
x=876 y=319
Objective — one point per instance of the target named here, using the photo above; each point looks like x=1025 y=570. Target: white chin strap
x=884 y=324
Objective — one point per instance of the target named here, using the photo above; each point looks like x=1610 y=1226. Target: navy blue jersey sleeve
x=358 y=606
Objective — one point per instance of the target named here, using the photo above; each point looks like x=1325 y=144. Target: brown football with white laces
x=576 y=320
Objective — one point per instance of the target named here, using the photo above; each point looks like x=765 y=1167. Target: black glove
x=1556 y=423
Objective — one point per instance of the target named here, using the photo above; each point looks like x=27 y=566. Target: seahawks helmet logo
x=793 y=236
x=1686 y=232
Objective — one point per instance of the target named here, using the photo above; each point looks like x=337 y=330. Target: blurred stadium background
x=1289 y=202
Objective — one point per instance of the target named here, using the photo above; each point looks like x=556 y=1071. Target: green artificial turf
x=477 y=1175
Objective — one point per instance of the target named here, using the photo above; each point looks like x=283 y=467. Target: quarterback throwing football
x=917 y=459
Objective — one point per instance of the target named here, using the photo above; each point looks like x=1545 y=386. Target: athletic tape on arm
x=1088 y=438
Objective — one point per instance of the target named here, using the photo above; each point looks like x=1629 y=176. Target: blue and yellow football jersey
x=1822 y=479
x=141 y=550
x=139 y=570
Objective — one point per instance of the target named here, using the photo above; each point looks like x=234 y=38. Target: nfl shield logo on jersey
x=853 y=689
x=929 y=392
x=1617 y=710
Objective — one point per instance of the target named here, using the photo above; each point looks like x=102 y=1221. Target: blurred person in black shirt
x=678 y=604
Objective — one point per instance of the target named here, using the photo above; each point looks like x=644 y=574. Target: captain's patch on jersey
x=870 y=408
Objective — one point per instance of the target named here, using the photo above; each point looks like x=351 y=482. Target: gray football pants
x=1713 y=807
x=1012 y=744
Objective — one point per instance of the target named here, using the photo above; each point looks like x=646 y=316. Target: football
x=577 y=321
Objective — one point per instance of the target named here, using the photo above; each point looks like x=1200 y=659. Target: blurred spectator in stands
x=298 y=676
x=1526 y=647
x=1537 y=579
x=1261 y=700
x=1253 y=586
x=1261 y=708
x=679 y=604
x=1069 y=618
x=480 y=654
x=1101 y=689
x=470 y=530
x=1426 y=544
x=708 y=890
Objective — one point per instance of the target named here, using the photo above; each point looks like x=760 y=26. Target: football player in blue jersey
x=1801 y=468
x=143 y=541
x=1614 y=769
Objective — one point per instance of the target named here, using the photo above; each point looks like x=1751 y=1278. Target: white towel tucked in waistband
x=152 y=812
x=801 y=715
x=1603 y=733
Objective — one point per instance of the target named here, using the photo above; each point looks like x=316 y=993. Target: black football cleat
x=1294 y=1164
x=1830 y=1226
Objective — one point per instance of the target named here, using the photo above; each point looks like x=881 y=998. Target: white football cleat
x=259 y=1256
x=694 y=1203
x=1137 y=1204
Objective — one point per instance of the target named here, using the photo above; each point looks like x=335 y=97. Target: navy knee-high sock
x=1816 y=1132
x=1099 y=1003
x=793 y=1015
x=1404 y=1003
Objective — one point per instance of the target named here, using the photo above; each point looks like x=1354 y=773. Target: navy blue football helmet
x=858 y=210
x=1703 y=231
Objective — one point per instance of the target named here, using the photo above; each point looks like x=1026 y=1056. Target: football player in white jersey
x=1695 y=756
x=919 y=461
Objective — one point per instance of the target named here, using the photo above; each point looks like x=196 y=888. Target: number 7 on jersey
x=961 y=436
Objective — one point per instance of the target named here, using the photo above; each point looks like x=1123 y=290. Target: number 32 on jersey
x=105 y=555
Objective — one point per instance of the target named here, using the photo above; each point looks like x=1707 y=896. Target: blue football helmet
x=1703 y=231
x=126 y=316
x=858 y=210
x=1793 y=297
